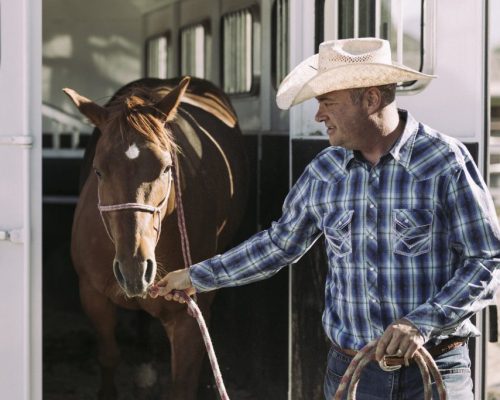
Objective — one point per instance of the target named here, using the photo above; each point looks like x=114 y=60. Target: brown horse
x=125 y=231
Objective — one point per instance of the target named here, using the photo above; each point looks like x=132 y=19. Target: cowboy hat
x=344 y=64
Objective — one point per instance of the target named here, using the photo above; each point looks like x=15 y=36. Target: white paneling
x=20 y=200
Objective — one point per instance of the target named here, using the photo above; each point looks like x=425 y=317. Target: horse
x=126 y=233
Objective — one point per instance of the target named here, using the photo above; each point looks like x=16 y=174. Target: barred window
x=241 y=51
x=193 y=51
x=156 y=57
x=279 y=28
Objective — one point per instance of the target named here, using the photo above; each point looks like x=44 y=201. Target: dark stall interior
x=249 y=326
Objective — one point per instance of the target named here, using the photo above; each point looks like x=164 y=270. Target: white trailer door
x=437 y=37
x=20 y=199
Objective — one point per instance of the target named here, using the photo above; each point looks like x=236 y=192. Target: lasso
x=422 y=357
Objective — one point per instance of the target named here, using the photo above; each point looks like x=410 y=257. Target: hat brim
x=304 y=82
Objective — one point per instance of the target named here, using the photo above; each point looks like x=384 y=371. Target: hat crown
x=335 y=53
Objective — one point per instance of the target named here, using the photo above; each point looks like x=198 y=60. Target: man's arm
x=476 y=235
x=474 y=230
x=260 y=257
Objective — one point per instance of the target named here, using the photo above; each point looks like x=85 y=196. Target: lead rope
x=422 y=357
x=196 y=313
x=193 y=308
x=181 y=221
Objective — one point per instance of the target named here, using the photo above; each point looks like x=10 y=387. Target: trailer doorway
x=96 y=48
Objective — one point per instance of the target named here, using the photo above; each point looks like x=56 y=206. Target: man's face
x=344 y=120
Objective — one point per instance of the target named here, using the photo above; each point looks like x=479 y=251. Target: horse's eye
x=168 y=168
x=98 y=173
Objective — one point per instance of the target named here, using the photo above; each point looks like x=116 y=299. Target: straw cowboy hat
x=344 y=64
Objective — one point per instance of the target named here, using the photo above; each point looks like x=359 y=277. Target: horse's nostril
x=148 y=276
x=118 y=273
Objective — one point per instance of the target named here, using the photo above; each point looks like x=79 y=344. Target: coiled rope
x=422 y=357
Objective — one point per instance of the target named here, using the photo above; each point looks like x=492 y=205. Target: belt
x=445 y=346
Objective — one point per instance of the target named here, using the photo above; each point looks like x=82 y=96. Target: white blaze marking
x=132 y=152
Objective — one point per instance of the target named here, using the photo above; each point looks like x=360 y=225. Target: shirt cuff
x=424 y=329
x=202 y=277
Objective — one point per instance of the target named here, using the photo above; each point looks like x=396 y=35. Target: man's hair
x=388 y=93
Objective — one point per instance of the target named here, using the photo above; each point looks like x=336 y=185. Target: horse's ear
x=168 y=105
x=94 y=112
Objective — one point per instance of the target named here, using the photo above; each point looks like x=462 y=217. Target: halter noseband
x=136 y=207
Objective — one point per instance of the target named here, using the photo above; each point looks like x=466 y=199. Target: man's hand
x=401 y=338
x=176 y=280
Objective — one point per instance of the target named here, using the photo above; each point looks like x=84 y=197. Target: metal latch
x=14 y=235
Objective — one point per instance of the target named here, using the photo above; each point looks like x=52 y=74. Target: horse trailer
x=268 y=335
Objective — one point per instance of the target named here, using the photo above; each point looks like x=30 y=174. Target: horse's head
x=133 y=164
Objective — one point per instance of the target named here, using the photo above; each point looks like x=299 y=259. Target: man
x=411 y=233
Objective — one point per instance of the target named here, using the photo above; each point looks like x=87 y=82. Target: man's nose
x=319 y=117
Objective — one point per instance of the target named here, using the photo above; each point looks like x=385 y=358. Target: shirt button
x=371 y=206
x=373 y=300
x=372 y=269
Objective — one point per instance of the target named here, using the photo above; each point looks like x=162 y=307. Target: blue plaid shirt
x=415 y=236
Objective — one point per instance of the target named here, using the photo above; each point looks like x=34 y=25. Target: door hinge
x=13 y=235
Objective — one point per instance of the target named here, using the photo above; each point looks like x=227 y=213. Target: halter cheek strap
x=136 y=207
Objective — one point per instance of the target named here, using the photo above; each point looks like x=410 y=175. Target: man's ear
x=372 y=99
x=168 y=105
x=94 y=112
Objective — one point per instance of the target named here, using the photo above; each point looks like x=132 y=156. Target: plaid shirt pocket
x=338 y=232
x=412 y=231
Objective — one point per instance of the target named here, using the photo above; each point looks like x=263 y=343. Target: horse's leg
x=102 y=313
x=187 y=353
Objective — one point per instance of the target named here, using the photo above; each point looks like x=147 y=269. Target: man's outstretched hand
x=176 y=280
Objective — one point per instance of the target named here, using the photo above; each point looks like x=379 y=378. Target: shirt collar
x=402 y=148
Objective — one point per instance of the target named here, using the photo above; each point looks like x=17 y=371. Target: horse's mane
x=133 y=107
x=134 y=113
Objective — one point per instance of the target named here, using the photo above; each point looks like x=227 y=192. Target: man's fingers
x=382 y=345
x=174 y=281
x=410 y=351
x=394 y=345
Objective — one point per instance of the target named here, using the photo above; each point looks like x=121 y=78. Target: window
x=356 y=18
x=399 y=21
x=194 y=44
x=156 y=57
x=280 y=41
x=240 y=51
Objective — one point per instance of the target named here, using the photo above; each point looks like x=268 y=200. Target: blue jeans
x=405 y=383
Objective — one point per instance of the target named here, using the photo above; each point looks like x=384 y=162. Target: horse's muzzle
x=135 y=279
